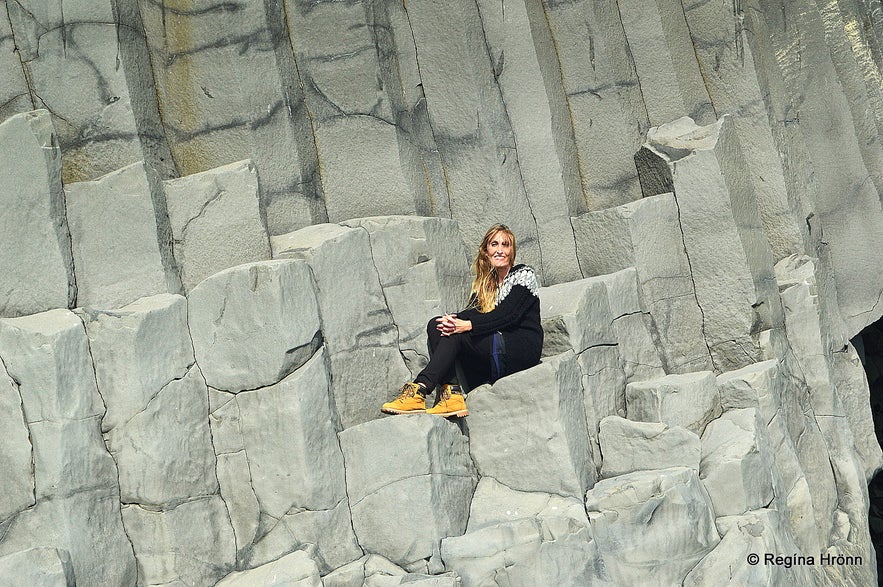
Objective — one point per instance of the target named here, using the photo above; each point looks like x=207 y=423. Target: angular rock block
x=603 y=382
x=117 y=252
x=576 y=316
x=638 y=446
x=137 y=350
x=551 y=551
x=38 y=567
x=528 y=430
x=647 y=235
x=36 y=261
x=640 y=358
x=849 y=378
x=736 y=464
x=421 y=263
x=190 y=544
x=87 y=526
x=164 y=452
x=17 y=486
x=760 y=532
x=690 y=400
x=14 y=95
x=215 y=221
x=364 y=378
x=48 y=355
x=409 y=481
x=721 y=227
x=493 y=503
x=371 y=569
x=296 y=569
x=651 y=526
x=253 y=324
x=281 y=469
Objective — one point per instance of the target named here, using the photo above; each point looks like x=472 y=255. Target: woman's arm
x=507 y=313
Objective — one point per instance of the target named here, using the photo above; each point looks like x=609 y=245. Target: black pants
x=481 y=358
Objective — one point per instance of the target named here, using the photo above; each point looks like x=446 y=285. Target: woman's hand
x=449 y=324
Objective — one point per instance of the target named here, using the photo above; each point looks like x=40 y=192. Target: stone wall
x=225 y=225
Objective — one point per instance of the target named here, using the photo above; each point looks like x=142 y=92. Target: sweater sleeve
x=507 y=313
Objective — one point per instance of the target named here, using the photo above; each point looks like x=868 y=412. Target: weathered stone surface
x=253 y=324
x=36 y=260
x=576 y=316
x=368 y=570
x=17 y=487
x=48 y=355
x=646 y=235
x=14 y=92
x=118 y=257
x=164 y=452
x=136 y=351
x=87 y=525
x=550 y=551
x=215 y=221
x=761 y=533
x=603 y=383
x=533 y=440
x=690 y=400
x=638 y=548
x=851 y=382
x=296 y=569
x=191 y=544
x=409 y=480
x=736 y=464
x=291 y=491
x=493 y=503
x=636 y=446
x=356 y=321
x=38 y=567
x=607 y=110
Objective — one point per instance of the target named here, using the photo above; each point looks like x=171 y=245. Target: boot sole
x=454 y=414
x=394 y=411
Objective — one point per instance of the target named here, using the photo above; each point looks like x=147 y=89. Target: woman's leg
x=474 y=353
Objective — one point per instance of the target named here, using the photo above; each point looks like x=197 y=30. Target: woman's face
x=499 y=250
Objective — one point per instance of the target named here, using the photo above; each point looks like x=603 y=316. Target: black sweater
x=516 y=315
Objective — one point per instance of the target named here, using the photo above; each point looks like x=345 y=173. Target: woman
x=499 y=332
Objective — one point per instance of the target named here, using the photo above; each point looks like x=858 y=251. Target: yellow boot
x=450 y=403
x=410 y=401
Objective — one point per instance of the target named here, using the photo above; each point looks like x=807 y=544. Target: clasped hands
x=449 y=324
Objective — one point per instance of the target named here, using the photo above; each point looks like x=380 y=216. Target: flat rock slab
x=493 y=503
x=215 y=221
x=576 y=316
x=409 y=481
x=651 y=526
x=16 y=458
x=253 y=324
x=295 y=570
x=690 y=400
x=629 y=446
x=36 y=260
x=38 y=567
x=528 y=430
x=115 y=239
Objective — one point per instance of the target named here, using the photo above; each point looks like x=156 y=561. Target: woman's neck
x=502 y=272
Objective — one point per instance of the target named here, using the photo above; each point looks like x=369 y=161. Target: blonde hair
x=484 y=286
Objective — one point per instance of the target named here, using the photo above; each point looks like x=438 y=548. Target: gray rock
x=137 y=350
x=532 y=441
x=364 y=379
x=637 y=446
x=291 y=491
x=762 y=533
x=14 y=92
x=647 y=235
x=603 y=382
x=851 y=382
x=493 y=503
x=576 y=316
x=690 y=400
x=17 y=488
x=409 y=480
x=38 y=567
x=371 y=567
x=551 y=551
x=87 y=526
x=736 y=463
x=295 y=570
x=145 y=447
x=47 y=354
x=215 y=221
x=253 y=324
x=36 y=263
x=651 y=526
x=114 y=236
x=191 y=544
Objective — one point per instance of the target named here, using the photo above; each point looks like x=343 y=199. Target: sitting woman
x=499 y=332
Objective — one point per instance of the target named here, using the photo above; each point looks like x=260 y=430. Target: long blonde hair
x=484 y=286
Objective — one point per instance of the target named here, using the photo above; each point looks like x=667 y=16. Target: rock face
x=225 y=226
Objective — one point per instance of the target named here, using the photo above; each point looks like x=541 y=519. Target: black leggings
x=482 y=358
